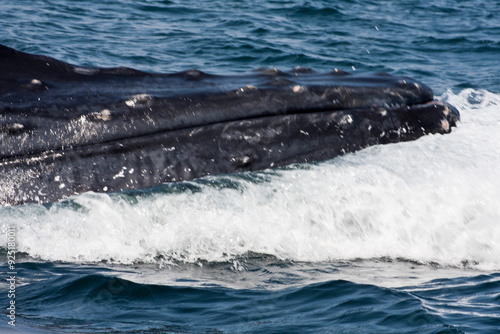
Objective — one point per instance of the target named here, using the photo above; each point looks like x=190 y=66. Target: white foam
x=434 y=199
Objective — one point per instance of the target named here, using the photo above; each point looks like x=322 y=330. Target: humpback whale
x=67 y=129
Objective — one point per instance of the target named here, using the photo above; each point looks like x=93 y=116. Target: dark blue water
x=402 y=238
x=86 y=299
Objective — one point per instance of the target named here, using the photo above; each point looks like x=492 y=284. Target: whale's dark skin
x=67 y=129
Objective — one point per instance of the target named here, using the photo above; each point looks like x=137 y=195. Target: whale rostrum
x=66 y=129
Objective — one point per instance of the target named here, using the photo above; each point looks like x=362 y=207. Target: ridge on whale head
x=67 y=129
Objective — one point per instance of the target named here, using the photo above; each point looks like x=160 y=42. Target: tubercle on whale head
x=452 y=115
x=437 y=117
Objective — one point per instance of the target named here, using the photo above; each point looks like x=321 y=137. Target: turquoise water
x=400 y=238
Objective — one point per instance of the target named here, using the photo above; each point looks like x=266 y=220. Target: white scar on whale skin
x=298 y=89
x=139 y=100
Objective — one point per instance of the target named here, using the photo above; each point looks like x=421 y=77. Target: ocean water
x=400 y=238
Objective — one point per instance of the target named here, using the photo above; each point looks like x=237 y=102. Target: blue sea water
x=401 y=238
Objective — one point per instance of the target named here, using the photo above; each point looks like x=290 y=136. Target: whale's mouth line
x=110 y=122
x=57 y=150
x=451 y=114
